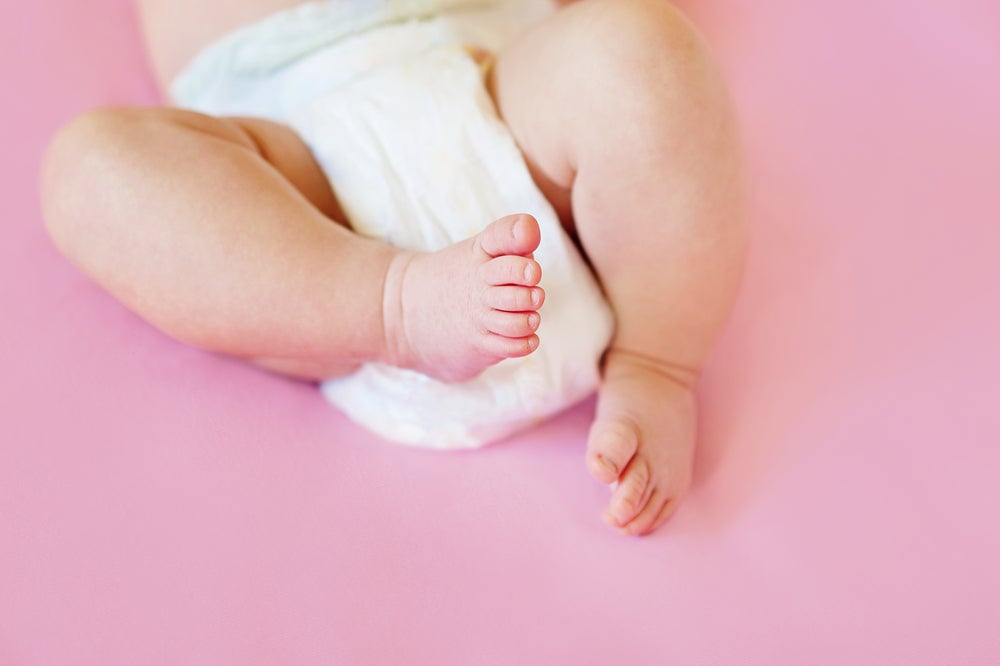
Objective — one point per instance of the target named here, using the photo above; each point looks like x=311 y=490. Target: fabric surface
x=396 y=114
x=162 y=505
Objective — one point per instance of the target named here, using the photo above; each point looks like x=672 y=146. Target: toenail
x=527 y=272
x=533 y=321
x=607 y=464
x=517 y=225
x=536 y=297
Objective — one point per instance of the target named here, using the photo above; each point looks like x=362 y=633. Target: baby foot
x=643 y=439
x=451 y=314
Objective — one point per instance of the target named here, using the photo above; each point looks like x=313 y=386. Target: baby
x=225 y=233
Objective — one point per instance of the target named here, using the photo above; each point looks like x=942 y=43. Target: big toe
x=610 y=447
x=514 y=234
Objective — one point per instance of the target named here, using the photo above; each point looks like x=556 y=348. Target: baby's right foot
x=451 y=314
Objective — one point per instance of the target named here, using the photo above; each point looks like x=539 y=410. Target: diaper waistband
x=289 y=35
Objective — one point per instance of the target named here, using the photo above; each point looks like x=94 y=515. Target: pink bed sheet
x=163 y=505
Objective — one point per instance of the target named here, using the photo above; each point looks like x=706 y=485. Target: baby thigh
x=627 y=126
x=219 y=231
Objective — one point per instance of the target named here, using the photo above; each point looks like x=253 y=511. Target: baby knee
x=86 y=133
x=641 y=44
x=84 y=158
x=100 y=135
x=65 y=171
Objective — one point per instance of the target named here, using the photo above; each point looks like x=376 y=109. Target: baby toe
x=514 y=234
x=512 y=324
x=503 y=346
x=632 y=493
x=512 y=269
x=610 y=446
x=644 y=521
x=514 y=299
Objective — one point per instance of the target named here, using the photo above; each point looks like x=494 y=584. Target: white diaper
x=397 y=115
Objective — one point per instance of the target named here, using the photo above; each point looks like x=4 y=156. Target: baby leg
x=636 y=131
x=220 y=232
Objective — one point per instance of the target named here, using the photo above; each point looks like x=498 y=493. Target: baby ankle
x=395 y=348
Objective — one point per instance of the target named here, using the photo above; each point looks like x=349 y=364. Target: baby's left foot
x=643 y=439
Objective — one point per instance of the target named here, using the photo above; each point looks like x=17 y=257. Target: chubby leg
x=621 y=114
x=220 y=232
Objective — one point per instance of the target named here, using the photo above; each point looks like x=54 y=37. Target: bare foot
x=643 y=439
x=451 y=314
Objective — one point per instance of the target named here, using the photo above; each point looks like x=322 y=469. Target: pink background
x=163 y=505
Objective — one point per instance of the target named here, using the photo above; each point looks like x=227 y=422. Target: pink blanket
x=162 y=505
